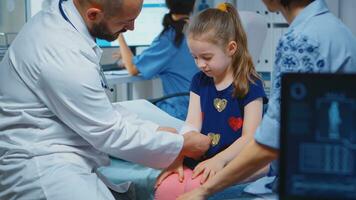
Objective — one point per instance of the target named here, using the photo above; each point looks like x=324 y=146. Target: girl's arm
x=193 y=119
x=127 y=55
x=194 y=116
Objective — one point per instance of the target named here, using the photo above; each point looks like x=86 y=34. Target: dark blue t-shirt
x=228 y=122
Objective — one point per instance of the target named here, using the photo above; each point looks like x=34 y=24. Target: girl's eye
x=207 y=58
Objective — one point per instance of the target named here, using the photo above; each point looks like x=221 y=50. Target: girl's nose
x=201 y=64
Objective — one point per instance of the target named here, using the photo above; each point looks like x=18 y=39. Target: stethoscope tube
x=104 y=83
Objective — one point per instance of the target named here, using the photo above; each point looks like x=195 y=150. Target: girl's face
x=210 y=58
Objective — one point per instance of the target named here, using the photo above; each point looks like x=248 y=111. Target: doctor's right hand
x=195 y=144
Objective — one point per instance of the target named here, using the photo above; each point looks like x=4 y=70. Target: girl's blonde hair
x=220 y=26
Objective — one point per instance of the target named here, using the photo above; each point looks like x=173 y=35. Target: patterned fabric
x=228 y=123
x=316 y=42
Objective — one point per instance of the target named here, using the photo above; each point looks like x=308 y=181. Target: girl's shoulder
x=256 y=83
x=256 y=90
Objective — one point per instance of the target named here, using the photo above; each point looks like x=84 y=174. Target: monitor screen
x=318 y=136
x=148 y=25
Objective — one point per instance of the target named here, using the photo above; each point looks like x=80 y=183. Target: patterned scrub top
x=315 y=42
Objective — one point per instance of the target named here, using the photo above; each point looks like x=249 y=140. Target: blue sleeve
x=268 y=131
x=196 y=83
x=154 y=60
x=255 y=91
x=294 y=53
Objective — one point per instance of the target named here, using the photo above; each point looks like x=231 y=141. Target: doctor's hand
x=175 y=167
x=195 y=144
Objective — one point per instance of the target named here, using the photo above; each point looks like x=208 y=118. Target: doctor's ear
x=94 y=14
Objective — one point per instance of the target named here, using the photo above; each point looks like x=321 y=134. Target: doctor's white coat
x=56 y=122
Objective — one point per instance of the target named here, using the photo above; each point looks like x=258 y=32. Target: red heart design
x=235 y=123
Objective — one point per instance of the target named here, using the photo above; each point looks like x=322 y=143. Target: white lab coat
x=56 y=122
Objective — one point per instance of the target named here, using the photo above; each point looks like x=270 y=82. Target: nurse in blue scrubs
x=168 y=57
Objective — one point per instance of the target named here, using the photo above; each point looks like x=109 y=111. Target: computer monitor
x=318 y=137
x=148 y=25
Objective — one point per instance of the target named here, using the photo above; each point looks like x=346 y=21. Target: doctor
x=56 y=122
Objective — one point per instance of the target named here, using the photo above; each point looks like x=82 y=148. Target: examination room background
x=14 y=13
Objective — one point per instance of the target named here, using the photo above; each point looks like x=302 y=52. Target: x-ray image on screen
x=334 y=118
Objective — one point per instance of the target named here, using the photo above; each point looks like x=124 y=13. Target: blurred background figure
x=168 y=58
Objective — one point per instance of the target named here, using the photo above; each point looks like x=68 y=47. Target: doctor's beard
x=101 y=31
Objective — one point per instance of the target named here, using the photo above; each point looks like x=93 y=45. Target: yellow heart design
x=215 y=138
x=220 y=104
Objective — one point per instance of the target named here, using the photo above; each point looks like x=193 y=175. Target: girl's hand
x=208 y=168
x=175 y=167
x=196 y=194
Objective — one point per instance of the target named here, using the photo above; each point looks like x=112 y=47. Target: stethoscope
x=104 y=82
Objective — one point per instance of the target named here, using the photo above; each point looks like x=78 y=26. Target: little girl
x=226 y=98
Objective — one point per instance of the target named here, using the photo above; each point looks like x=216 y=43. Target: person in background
x=226 y=98
x=57 y=125
x=315 y=42
x=167 y=57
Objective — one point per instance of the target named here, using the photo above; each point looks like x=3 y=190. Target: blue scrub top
x=228 y=123
x=174 y=65
x=316 y=42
